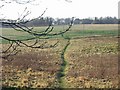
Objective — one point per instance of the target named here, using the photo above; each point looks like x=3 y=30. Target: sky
x=62 y=9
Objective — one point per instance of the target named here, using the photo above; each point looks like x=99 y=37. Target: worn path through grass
x=64 y=65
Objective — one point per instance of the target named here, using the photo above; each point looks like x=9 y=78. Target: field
x=88 y=59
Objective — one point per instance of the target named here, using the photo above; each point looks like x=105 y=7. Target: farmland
x=86 y=58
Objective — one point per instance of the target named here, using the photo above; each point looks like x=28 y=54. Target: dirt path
x=64 y=64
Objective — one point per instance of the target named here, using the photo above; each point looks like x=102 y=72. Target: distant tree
x=87 y=21
x=67 y=20
x=105 y=20
x=77 y=21
x=96 y=21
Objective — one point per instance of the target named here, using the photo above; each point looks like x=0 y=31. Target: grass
x=89 y=62
x=64 y=65
x=75 y=31
x=93 y=63
x=86 y=33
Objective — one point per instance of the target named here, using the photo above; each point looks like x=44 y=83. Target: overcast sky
x=63 y=9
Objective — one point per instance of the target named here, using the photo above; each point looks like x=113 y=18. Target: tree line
x=45 y=21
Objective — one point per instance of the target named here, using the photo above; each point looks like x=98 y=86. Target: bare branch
x=23 y=1
x=68 y=1
x=23 y=15
x=1 y=6
x=20 y=26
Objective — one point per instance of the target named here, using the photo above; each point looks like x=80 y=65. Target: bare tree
x=19 y=25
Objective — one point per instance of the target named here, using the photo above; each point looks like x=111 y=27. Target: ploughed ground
x=92 y=63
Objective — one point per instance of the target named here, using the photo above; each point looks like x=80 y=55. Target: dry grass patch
x=95 y=59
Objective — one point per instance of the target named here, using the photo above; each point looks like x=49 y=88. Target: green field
x=87 y=59
x=76 y=31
